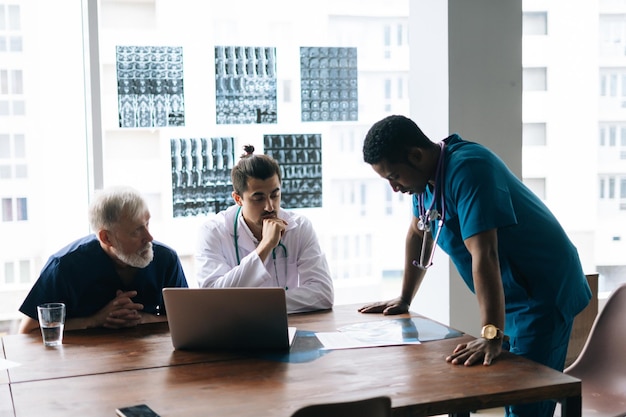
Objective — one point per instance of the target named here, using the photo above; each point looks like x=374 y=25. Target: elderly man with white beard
x=112 y=278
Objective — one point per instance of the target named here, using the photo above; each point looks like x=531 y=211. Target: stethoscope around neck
x=280 y=245
x=427 y=216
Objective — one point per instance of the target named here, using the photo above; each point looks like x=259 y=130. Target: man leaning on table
x=112 y=278
x=255 y=243
x=508 y=247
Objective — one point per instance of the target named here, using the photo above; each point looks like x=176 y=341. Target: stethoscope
x=280 y=245
x=427 y=216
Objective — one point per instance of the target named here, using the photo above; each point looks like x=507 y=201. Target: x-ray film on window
x=300 y=160
x=150 y=86
x=328 y=84
x=245 y=85
x=201 y=181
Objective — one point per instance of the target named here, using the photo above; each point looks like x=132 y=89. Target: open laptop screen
x=228 y=318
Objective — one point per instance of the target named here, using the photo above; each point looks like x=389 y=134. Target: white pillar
x=466 y=77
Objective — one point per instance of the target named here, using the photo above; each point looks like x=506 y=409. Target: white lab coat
x=303 y=272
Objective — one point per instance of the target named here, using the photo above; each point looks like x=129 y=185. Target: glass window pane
x=19 y=107
x=534 y=134
x=22 y=210
x=17 y=86
x=3 y=17
x=21 y=171
x=601 y=186
x=4 y=82
x=15 y=44
x=7 y=210
x=19 y=146
x=612 y=133
x=534 y=79
x=9 y=272
x=535 y=23
x=14 y=17
x=25 y=273
x=57 y=134
x=5 y=146
x=3 y=44
x=613 y=85
x=5 y=172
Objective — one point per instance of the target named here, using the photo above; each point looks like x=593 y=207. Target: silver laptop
x=228 y=318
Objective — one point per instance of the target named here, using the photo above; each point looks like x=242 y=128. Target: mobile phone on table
x=140 y=410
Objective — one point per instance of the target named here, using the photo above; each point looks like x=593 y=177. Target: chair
x=370 y=407
x=601 y=365
x=583 y=322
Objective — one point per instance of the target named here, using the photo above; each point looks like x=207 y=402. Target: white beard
x=141 y=259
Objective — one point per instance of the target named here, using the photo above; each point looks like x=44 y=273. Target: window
x=11 y=91
x=613 y=34
x=7 y=210
x=613 y=84
x=16 y=273
x=602 y=188
x=612 y=138
x=42 y=155
x=534 y=79
x=535 y=23
x=9 y=273
x=534 y=134
x=12 y=156
x=10 y=27
x=14 y=209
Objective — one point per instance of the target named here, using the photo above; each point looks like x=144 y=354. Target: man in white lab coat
x=255 y=243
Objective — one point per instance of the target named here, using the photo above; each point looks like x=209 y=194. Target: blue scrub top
x=540 y=267
x=83 y=276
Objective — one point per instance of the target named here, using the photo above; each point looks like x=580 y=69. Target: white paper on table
x=6 y=364
x=340 y=340
x=370 y=334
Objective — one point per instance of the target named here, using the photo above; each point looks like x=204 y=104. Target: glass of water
x=51 y=321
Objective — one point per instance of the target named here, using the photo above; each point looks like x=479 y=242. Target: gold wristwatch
x=491 y=332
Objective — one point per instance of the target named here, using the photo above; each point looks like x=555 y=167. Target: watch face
x=490 y=332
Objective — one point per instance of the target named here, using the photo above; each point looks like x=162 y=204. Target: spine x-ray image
x=201 y=181
x=150 y=86
x=300 y=160
x=245 y=85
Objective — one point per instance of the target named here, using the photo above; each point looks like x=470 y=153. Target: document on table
x=6 y=364
x=404 y=331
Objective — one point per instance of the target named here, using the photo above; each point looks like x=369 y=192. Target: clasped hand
x=121 y=311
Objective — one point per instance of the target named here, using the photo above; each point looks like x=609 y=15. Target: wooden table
x=6 y=403
x=96 y=371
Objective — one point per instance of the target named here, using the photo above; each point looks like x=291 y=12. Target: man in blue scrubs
x=506 y=244
x=112 y=278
